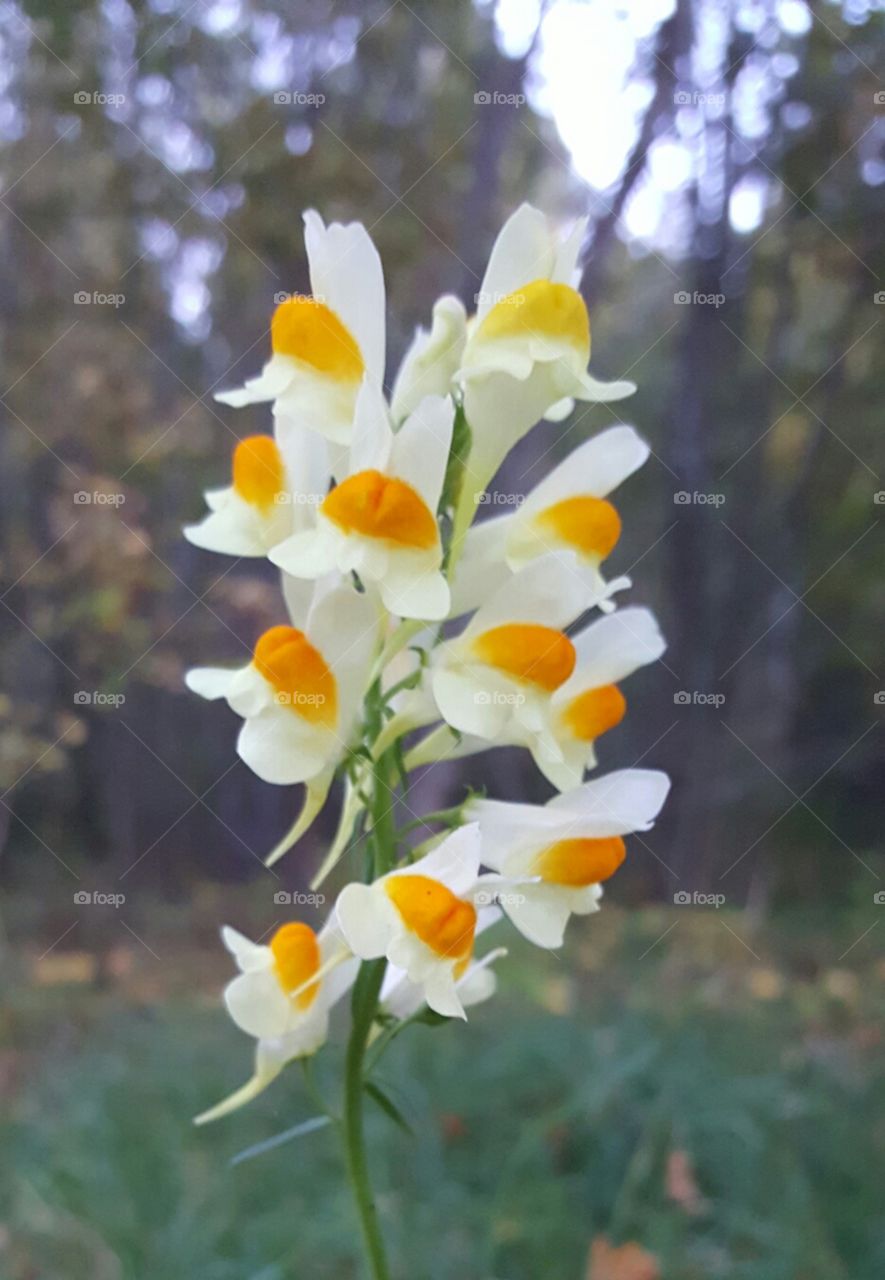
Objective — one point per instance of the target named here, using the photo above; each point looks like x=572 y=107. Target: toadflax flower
x=477 y=984
x=325 y=344
x=551 y=861
x=526 y=683
x=568 y=512
x=282 y=997
x=270 y=495
x=380 y=520
x=421 y=917
x=528 y=347
x=300 y=695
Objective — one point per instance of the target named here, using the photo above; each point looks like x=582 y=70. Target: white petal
x=595 y=468
x=432 y=360
x=281 y=747
x=210 y=682
x=346 y=274
x=524 y=251
x=602 y=392
x=421 y=448
x=468 y=706
x=624 y=801
x=365 y=919
x=612 y=649
x=273 y=380
x=441 y=993
x=454 y=862
x=482 y=565
x=565 y=267
x=248 y=955
x=540 y=912
x=258 y=1004
x=551 y=591
x=372 y=440
x=310 y=553
x=424 y=595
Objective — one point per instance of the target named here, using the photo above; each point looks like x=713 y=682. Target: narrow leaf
x=299 y=1130
x=390 y=1109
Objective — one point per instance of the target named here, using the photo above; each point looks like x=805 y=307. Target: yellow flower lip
x=443 y=921
x=296 y=955
x=307 y=330
x=379 y=506
x=594 y=712
x=299 y=674
x=591 y=526
x=581 y=861
x=259 y=473
x=541 y=309
x=528 y=652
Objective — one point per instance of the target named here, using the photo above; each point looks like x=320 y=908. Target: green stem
x=365 y=1001
x=364 y=1006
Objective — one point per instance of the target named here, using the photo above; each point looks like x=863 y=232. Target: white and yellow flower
x=380 y=520
x=495 y=680
x=528 y=348
x=550 y=862
x=271 y=494
x=300 y=694
x=568 y=513
x=421 y=917
x=478 y=983
x=431 y=362
x=325 y=344
x=282 y=997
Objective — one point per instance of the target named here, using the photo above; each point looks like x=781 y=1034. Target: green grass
x=547 y=1120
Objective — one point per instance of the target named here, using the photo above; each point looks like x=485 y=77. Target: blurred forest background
x=731 y=156
x=156 y=161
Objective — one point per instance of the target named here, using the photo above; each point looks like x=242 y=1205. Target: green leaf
x=297 y=1131
x=390 y=1109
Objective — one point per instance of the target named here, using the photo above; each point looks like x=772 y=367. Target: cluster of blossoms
x=409 y=621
